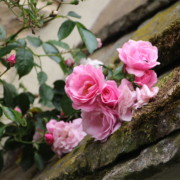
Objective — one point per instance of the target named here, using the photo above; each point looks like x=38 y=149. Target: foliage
x=29 y=119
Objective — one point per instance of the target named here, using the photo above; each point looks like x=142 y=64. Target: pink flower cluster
x=139 y=57
x=64 y=136
x=103 y=104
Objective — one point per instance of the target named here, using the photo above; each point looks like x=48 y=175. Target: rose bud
x=99 y=42
x=49 y=138
x=11 y=59
x=69 y=62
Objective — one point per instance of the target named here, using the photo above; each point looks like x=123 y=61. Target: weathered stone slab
x=152 y=122
x=162 y=31
x=163 y=156
x=132 y=19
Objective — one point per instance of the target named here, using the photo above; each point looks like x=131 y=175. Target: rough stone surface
x=157 y=158
x=132 y=19
x=113 y=11
x=152 y=122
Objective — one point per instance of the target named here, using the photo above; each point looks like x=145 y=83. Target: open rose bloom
x=64 y=136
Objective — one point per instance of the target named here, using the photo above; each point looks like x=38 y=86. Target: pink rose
x=67 y=136
x=83 y=86
x=70 y=62
x=109 y=94
x=11 y=59
x=38 y=135
x=54 y=12
x=100 y=123
x=126 y=100
x=99 y=42
x=149 y=78
x=18 y=109
x=49 y=138
x=144 y=95
x=138 y=56
x=51 y=125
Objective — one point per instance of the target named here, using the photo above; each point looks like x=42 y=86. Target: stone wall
x=148 y=147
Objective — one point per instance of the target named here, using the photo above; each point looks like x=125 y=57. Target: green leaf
x=50 y=49
x=24 y=62
x=2 y=128
x=73 y=14
x=22 y=42
x=39 y=161
x=7 y=49
x=88 y=38
x=59 y=87
x=118 y=74
x=66 y=29
x=34 y=41
x=9 y=93
x=1 y=160
x=27 y=159
x=57 y=101
x=23 y=102
x=78 y=55
x=42 y=77
x=2 y=33
x=59 y=43
x=1 y=112
x=31 y=97
x=46 y=95
x=66 y=105
x=13 y=115
x=63 y=66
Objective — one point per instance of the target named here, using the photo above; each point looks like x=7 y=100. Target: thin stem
x=42 y=8
x=4 y=72
x=59 y=5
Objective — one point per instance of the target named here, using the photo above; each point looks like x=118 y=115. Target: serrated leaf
x=73 y=14
x=66 y=29
x=9 y=93
x=87 y=37
x=13 y=115
x=46 y=95
x=63 y=66
x=8 y=49
x=59 y=87
x=24 y=61
x=66 y=105
x=42 y=77
x=2 y=33
x=50 y=49
x=39 y=161
x=31 y=97
x=22 y=42
x=23 y=102
x=34 y=41
x=118 y=74
x=59 y=43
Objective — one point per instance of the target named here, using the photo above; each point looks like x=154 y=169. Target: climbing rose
x=149 y=78
x=83 y=86
x=138 y=56
x=100 y=123
x=70 y=62
x=51 y=125
x=67 y=136
x=144 y=95
x=109 y=94
x=49 y=138
x=11 y=59
x=126 y=100
x=99 y=42
x=96 y=63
